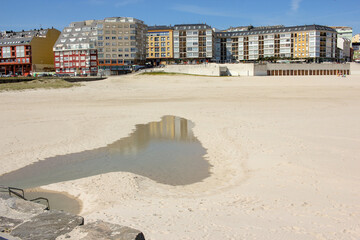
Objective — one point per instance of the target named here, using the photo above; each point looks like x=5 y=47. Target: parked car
x=9 y=75
x=44 y=75
x=62 y=75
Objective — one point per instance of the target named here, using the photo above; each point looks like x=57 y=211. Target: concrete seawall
x=267 y=69
x=201 y=69
x=355 y=68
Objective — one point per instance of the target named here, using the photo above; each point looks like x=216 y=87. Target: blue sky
x=25 y=14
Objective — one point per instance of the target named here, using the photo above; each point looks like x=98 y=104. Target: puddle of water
x=166 y=152
x=57 y=200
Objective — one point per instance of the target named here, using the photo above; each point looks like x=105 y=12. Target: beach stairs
x=18 y=192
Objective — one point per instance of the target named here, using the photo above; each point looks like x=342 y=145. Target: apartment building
x=160 y=45
x=109 y=46
x=75 y=51
x=121 y=42
x=344 y=32
x=302 y=42
x=193 y=43
x=343 y=45
x=27 y=51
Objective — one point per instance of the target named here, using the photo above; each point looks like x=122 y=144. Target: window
x=20 y=51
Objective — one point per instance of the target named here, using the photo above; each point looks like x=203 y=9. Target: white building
x=344 y=44
x=309 y=41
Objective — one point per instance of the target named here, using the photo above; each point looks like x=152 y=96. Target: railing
x=18 y=192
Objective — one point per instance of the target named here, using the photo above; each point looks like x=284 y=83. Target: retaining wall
x=270 y=69
x=210 y=69
x=355 y=68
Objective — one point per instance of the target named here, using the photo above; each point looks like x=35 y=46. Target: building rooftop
x=22 y=37
x=162 y=27
x=122 y=19
x=256 y=31
x=78 y=35
x=191 y=26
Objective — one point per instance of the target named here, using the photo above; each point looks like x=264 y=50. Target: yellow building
x=160 y=45
x=301 y=45
x=356 y=38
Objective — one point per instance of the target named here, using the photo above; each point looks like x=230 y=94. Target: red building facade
x=24 y=52
x=76 y=62
x=15 y=59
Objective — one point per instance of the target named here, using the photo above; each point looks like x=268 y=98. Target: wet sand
x=284 y=153
x=57 y=200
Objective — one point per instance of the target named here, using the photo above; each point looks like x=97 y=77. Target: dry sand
x=285 y=153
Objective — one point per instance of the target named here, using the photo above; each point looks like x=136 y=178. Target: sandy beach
x=284 y=153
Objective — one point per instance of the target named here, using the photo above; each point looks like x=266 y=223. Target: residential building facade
x=121 y=42
x=344 y=32
x=300 y=42
x=160 y=45
x=75 y=51
x=108 y=46
x=22 y=53
x=344 y=45
x=193 y=43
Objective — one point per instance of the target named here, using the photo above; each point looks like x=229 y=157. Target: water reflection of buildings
x=170 y=128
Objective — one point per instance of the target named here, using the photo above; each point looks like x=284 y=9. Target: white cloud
x=295 y=4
